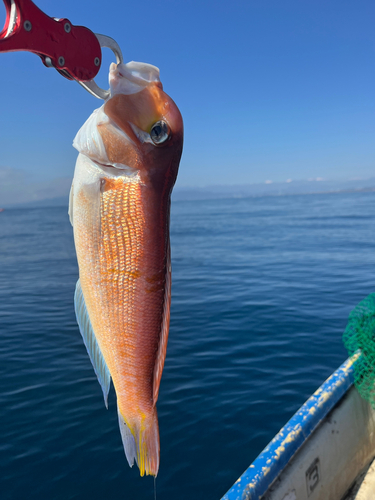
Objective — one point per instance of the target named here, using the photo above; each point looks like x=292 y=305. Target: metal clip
x=91 y=86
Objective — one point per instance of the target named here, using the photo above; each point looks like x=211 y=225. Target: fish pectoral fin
x=70 y=211
x=92 y=346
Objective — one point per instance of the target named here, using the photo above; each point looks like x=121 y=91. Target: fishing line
x=154 y=487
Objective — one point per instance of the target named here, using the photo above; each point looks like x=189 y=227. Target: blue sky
x=269 y=89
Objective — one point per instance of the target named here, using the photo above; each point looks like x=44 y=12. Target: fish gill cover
x=359 y=335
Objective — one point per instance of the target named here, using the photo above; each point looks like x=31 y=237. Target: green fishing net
x=359 y=336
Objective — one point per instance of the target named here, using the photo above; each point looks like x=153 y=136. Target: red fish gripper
x=73 y=50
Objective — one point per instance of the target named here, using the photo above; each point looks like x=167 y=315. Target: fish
x=129 y=154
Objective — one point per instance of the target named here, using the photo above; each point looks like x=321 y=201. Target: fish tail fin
x=141 y=443
x=148 y=449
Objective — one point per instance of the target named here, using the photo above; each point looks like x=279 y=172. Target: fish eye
x=159 y=132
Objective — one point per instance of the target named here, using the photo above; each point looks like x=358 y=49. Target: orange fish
x=130 y=150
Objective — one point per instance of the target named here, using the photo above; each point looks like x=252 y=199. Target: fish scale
x=120 y=256
x=125 y=296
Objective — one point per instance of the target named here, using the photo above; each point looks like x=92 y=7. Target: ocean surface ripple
x=262 y=288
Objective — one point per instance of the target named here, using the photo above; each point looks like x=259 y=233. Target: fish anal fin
x=162 y=349
x=91 y=343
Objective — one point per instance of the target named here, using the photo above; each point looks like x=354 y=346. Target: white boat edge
x=320 y=452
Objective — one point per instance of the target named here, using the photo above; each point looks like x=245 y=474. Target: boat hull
x=320 y=452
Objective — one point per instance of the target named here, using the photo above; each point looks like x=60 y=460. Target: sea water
x=262 y=288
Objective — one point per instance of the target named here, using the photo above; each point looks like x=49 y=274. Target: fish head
x=139 y=127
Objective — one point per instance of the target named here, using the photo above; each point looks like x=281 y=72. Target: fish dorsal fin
x=91 y=343
x=162 y=350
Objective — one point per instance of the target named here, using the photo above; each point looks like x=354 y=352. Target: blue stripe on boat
x=256 y=480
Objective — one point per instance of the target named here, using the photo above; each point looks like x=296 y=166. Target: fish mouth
x=113 y=145
x=89 y=142
x=132 y=77
x=116 y=169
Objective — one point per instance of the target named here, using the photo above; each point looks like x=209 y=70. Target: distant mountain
x=62 y=201
x=273 y=189
x=17 y=190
